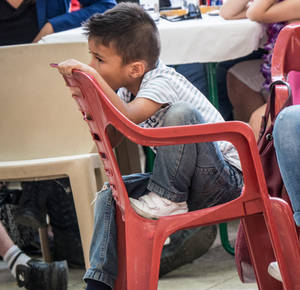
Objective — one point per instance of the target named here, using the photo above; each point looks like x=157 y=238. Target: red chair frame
x=286 y=58
x=140 y=240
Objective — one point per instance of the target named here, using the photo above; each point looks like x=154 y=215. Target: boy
x=124 y=44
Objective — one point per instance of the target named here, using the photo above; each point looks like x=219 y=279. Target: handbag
x=272 y=175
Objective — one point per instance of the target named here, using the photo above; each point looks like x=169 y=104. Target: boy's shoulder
x=162 y=72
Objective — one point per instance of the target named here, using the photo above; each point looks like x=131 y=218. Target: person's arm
x=138 y=110
x=234 y=9
x=269 y=11
x=74 y=19
x=47 y=29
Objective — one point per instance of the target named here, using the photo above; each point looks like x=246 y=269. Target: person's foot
x=186 y=246
x=39 y=275
x=274 y=271
x=153 y=206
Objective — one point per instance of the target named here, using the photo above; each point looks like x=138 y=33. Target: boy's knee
x=182 y=113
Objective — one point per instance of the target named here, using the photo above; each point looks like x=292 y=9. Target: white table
x=211 y=39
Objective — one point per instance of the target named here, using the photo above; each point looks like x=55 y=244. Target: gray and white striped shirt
x=165 y=86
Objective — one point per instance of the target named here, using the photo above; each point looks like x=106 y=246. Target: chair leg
x=138 y=256
x=287 y=249
x=261 y=251
x=43 y=233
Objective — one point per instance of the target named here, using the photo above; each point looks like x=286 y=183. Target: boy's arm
x=234 y=9
x=138 y=110
x=269 y=11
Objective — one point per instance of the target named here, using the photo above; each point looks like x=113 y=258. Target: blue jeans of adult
x=287 y=144
x=196 y=173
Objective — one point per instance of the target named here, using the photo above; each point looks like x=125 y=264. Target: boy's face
x=108 y=64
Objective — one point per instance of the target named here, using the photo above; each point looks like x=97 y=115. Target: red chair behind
x=286 y=63
x=140 y=240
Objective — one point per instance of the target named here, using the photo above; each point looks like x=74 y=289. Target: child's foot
x=274 y=271
x=153 y=206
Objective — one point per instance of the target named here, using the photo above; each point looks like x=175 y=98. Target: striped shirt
x=165 y=86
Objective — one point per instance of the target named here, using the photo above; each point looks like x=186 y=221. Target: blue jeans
x=196 y=173
x=287 y=144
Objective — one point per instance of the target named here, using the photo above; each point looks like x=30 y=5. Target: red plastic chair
x=140 y=240
x=286 y=63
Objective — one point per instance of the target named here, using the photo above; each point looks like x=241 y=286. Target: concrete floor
x=214 y=270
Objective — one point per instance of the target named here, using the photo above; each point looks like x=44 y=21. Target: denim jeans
x=287 y=144
x=196 y=173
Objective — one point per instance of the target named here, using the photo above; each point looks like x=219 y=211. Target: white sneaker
x=153 y=206
x=274 y=271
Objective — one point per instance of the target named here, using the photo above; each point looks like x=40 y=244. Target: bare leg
x=5 y=241
x=243 y=99
x=255 y=120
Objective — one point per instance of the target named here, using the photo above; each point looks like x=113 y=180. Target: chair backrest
x=286 y=63
x=38 y=119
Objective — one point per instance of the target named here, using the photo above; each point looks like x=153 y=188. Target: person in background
x=248 y=82
x=25 y=21
x=32 y=274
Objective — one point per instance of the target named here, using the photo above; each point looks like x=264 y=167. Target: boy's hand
x=66 y=67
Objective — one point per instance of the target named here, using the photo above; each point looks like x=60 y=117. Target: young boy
x=124 y=46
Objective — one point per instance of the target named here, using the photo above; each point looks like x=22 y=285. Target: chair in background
x=140 y=240
x=41 y=134
x=286 y=63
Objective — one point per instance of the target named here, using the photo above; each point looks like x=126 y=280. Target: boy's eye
x=98 y=59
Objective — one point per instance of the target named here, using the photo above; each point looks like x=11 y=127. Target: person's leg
x=222 y=68
x=244 y=100
x=196 y=173
x=5 y=241
x=103 y=250
x=32 y=274
x=287 y=145
x=255 y=120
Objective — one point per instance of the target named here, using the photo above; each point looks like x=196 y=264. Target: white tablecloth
x=211 y=39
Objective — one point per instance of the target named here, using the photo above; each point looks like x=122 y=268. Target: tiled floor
x=213 y=271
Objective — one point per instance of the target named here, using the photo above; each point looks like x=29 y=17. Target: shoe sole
x=192 y=248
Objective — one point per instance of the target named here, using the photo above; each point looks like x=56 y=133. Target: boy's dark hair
x=129 y=29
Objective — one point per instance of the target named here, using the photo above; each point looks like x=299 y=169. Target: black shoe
x=186 y=246
x=39 y=275
x=67 y=246
x=32 y=205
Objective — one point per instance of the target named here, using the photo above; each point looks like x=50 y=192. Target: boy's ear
x=137 y=69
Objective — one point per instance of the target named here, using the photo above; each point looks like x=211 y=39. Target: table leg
x=212 y=83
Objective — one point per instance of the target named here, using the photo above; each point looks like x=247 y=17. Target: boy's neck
x=134 y=86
